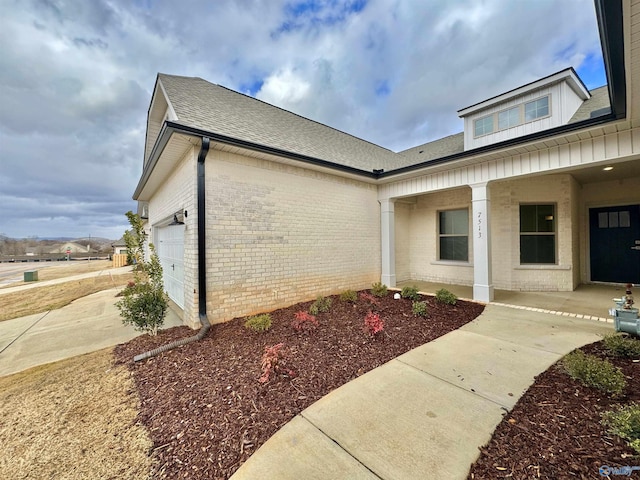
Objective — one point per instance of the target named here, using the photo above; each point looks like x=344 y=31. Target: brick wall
x=506 y=198
x=423 y=239
x=279 y=234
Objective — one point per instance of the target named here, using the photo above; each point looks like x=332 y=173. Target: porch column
x=481 y=234
x=388 y=244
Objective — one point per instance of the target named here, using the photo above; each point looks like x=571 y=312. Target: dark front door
x=615 y=244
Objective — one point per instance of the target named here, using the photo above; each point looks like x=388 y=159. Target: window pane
x=509 y=118
x=537 y=249
x=613 y=219
x=625 y=219
x=545 y=218
x=536 y=109
x=454 y=248
x=454 y=222
x=603 y=220
x=527 y=218
x=484 y=126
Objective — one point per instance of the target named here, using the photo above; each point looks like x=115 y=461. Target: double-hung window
x=537 y=234
x=454 y=235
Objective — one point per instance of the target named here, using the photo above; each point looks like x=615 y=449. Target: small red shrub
x=373 y=323
x=304 y=322
x=271 y=359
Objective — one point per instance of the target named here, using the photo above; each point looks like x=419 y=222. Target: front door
x=615 y=244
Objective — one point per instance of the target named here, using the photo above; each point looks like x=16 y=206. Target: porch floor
x=588 y=299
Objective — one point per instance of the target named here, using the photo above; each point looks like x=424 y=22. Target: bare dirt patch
x=50 y=297
x=554 y=431
x=73 y=419
x=207 y=412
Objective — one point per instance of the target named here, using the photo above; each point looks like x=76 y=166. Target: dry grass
x=50 y=297
x=73 y=419
x=55 y=270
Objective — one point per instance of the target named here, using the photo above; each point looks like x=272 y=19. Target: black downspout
x=202 y=266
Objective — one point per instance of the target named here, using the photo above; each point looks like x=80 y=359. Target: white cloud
x=76 y=79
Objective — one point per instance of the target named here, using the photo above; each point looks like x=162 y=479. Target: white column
x=388 y=244
x=481 y=235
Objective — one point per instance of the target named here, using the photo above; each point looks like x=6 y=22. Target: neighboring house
x=119 y=247
x=70 y=247
x=541 y=192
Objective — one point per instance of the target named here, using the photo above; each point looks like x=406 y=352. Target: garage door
x=170 y=247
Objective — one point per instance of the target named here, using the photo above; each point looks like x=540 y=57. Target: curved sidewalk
x=424 y=414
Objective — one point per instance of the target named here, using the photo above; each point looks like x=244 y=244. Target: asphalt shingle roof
x=204 y=105
x=213 y=108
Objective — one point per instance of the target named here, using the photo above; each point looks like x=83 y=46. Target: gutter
x=202 y=270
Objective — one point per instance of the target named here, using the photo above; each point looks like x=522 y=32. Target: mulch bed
x=554 y=431
x=204 y=406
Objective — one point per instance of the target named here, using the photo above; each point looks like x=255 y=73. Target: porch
x=589 y=300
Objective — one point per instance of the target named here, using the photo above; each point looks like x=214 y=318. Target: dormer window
x=536 y=109
x=484 y=125
x=509 y=118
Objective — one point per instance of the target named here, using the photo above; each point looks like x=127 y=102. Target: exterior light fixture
x=607 y=168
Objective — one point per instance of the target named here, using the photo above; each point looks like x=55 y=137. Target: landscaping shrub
x=419 y=309
x=445 y=296
x=304 y=322
x=624 y=421
x=271 y=361
x=621 y=346
x=370 y=299
x=349 y=296
x=410 y=292
x=594 y=372
x=143 y=302
x=373 y=323
x=259 y=323
x=321 y=305
x=379 y=289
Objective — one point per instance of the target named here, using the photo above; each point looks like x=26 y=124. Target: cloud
x=76 y=79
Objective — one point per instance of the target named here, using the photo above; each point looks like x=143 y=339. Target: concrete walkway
x=424 y=414
x=86 y=325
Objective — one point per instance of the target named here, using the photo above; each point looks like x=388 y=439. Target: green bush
x=624 y=421
x=621 y=346
x=321 y=305
x=445 y=296
x=259 y=323
x=349 y=296
x=143 y=302
x=594 y=372
x=419 y=309
x=379 y=289
x=410 y=292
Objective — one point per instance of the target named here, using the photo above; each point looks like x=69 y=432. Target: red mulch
x=554 y=431
x=203 y=404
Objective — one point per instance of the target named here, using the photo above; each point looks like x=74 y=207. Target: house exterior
x=252 y=207
x=119 y=247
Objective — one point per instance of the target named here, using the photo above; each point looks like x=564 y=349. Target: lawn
x=50 y=297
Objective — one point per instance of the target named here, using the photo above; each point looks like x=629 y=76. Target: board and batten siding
x=619 y=142
x=563 y=103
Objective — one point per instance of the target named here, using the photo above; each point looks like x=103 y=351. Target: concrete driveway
x=86 y=325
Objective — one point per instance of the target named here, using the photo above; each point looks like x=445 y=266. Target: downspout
x=202 y=267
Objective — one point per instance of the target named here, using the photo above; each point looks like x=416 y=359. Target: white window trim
x=440 y=261
x=555 y=235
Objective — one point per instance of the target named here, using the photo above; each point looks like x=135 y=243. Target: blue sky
x=76 y=79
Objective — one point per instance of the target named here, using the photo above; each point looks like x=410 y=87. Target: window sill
x=543 y=267
x=451 y=263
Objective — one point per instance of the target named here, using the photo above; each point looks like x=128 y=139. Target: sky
x=76 y=79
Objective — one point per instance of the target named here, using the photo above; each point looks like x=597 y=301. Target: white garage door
x=170 y=247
